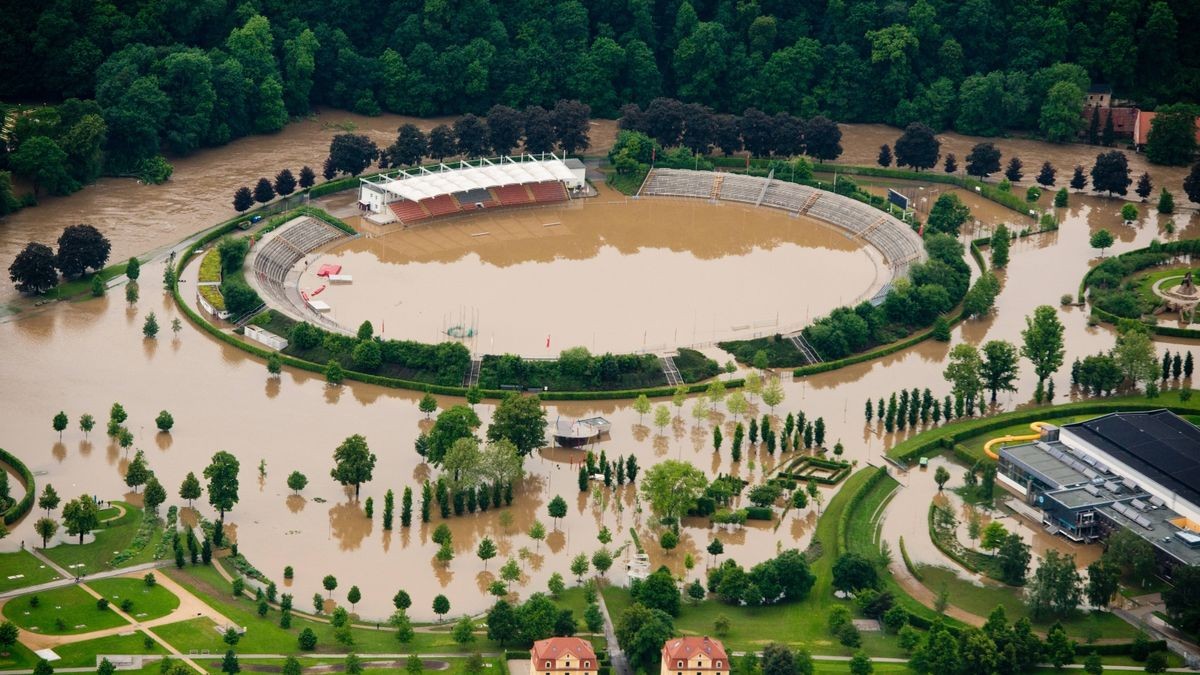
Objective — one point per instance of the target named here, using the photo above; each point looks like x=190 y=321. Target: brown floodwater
x=588 y=274
x=81 y=357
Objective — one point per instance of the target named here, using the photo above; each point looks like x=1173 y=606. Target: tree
x=917 y=147
x=537 y=532
x=472 y=135
x=1059 y=650
x=351 y=153
x=951 y=163
x=662 y=417
x=353 y=596
x=963 y=371
x=521 y=420
x=853 y=572
x=285 y=183
x=983 y=160
x=885 y=156
x=1172 y=137
x=354 y=463
x=940 y=477
x=131 y=293
x=307 y=639
x=1110 y=173
x=154 y=495
x=229 y=664
x=641 y=632
x=641 y=405
x=579 y=566
x=453 y=423
x=263 y=192
x=1144 y=188
x=486 y=550
x=1166 y=202
x=86 y=423
x=60 y=422
x=33 y=269
x=1001 y=240
x=81 y=247
x=822 y=138
x=307 y=177
x=1013 y=171
x=1078 y=178
x=602 y=560
x=165 y=422
x=441 y=606
x=222 y=482
x=1134 y=355
x=137 y=473
x=672 y=487
x=43 y=162
x=80 y=516
x=948 y=214
x=1183 y=599
x=1013 y=554
x=45 y=528
x=427 y=405
x=778 y=659
x=1103 y=580
x=999 y=367
x=1055 y=589
x=1046 y=176
x=1059 y=119
x=557 y=509
x=243 y=199
x=1043 y=341
x=860 y=664
x=190 y=489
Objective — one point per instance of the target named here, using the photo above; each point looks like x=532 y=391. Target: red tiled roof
x=686 y=647
x=556 y=647
x=1141 y=127
x=1123 y=118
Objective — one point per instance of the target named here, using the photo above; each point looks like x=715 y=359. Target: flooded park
x=654 y=271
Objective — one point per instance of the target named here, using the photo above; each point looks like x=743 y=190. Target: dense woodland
x=171 y=76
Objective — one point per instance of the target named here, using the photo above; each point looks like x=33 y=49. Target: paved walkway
x=620 y=664
x=71 y=578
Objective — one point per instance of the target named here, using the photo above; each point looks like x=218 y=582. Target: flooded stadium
x=689 y=265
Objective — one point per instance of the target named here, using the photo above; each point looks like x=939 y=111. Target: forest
x=146 y=79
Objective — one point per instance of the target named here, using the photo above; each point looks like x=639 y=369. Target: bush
x=759 y=513
x=239 y=297
x=232 y=253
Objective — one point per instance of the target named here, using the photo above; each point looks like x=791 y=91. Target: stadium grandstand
x=895 y=240
x=424 y=194
x=276 y=275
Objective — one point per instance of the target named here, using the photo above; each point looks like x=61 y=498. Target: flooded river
x=81 y=357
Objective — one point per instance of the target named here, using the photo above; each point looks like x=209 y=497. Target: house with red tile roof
x=1143 y=124
x=694 y=655
x=562 y=656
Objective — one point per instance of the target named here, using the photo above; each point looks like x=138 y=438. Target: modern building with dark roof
x=1138 y=471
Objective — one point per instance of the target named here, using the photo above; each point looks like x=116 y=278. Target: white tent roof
x=446 y=180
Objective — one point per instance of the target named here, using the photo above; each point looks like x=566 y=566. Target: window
x=679 y=664
x=587 y=664
x=718 y=664
x=548 y=664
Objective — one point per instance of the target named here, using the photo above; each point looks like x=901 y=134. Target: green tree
x=983 y=160
x=1172 y=137
x=222 y=478
x=1166 y=202
x=45 y=164
x=1059 y=119
x=427 y=405
x=33 y=271
x=1000 y=242
x=451 y=424
x=672 y=488
x=1042 y=341
x=354 y=463
x=557 y=509
x=999 y=367
x=441 y=606
x=641 y=632
x=917 y=147
x=486 y=550
x=80 y=516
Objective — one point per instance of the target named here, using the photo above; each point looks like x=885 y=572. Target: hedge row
x=1118 y=648
x=18 y=510
x=844 y=518
x=908 y=563
x=759 y=513
x=987 y=190
x=934 y=441
x=1182 y=246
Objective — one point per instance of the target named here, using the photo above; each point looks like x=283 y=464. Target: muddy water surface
x=81 y=357
x=589 y=274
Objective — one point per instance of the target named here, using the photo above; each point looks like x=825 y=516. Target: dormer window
x=549 y=664
x=587 y=664
x=718 y=664
x=679 y=664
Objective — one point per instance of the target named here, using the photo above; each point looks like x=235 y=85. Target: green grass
x=1144 y=281
x=83 y=285
x=72 y=604
x=80 y=654
x=18 y=656
x=574 y=600
x=32 y=570
x=111 y=538
x=264 y=635
x=456 y=666
x=982 y=600
x=149 y=602
x=974 y=445
x=798 y=624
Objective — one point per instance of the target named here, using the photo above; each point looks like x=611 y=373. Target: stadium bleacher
x=513 y=195
x=276 y=257
x=548 y=192
x=408 y=212
x=441 y=205
x=898 y=243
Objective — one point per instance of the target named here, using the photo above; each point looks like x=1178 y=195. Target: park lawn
x=73 y=605
x=82 y=286
x=974 y=445
x=26 y=567
x=263 y=635
x=797 y=624
x=982 y=600
x=111 y=538
x=18 y=656
x=149 y=602
x=573 y=599
x=455 y=666
x=81 y=654
x=1144 y=281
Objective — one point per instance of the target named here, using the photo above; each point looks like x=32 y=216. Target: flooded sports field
x=80 y=357
x=591 y=273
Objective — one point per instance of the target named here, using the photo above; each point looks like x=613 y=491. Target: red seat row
x=408 y=212
x=549 y=191
x=512 y=195
x=440 y=205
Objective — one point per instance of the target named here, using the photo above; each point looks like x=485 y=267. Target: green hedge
x=934 y=441
x=908 y=563
x=1117 y=648
x=18 y=510
x=844 y=518
x=759 y=513
x=1172 y=248
x=987 y=190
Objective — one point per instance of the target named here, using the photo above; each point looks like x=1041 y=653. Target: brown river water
x=584 y=274
x=82 y=356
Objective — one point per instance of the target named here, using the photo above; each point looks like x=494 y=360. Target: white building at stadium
x=414 y=195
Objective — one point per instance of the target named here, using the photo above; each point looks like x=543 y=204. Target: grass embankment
x=61 y=611
x=210 y=272
x=264 y=635
x=112 y=537
x=83 y=654
x=149 y=602
x=798 y=624
x=28 y=570
x=82 y=286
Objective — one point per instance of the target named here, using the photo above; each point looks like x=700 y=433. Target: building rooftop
x=1036 y=458
x=1158 y=444
x=687 y=647
x=1154 y=525
x=557 y=647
